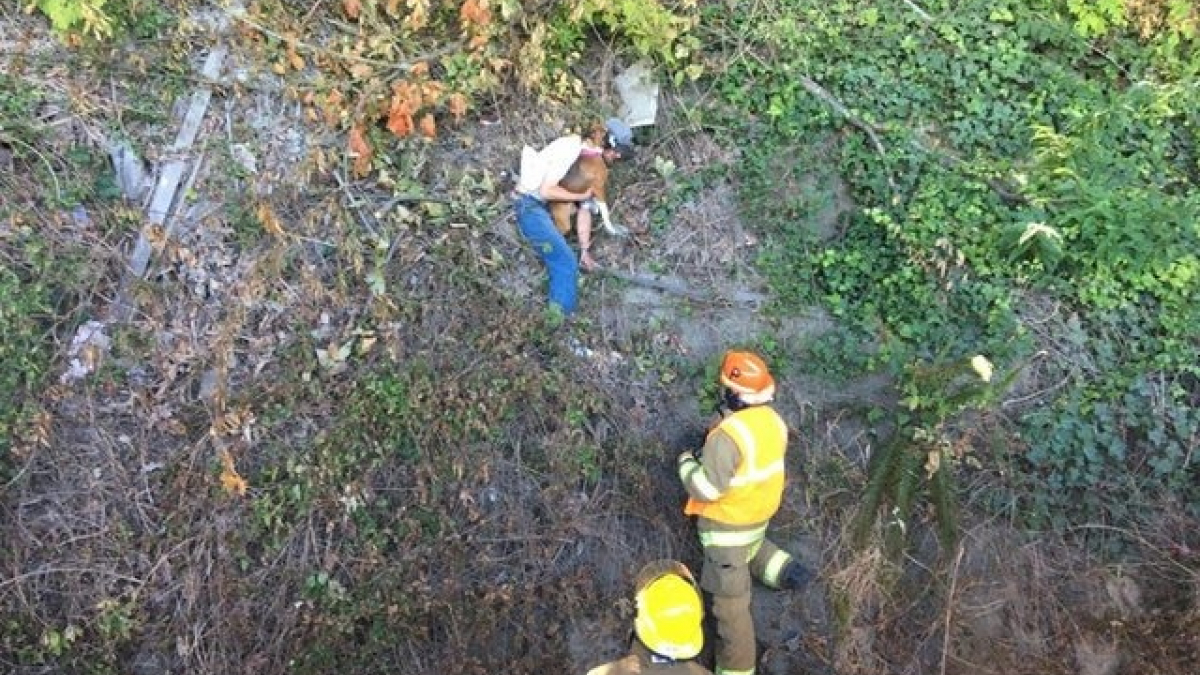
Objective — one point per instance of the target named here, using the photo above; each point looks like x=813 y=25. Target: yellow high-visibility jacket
x=755 y=490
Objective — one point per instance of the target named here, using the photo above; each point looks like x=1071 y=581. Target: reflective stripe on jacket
x=756 y=489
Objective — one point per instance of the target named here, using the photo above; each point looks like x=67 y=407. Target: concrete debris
x=131 y=175
x=87 y=350
x=245 y=158
x=639 y=94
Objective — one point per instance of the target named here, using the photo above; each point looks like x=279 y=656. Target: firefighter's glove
x=686 y=456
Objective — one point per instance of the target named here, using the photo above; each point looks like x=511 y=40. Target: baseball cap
x=620 y=137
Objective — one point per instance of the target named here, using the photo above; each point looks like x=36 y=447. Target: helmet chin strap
x=730 y=401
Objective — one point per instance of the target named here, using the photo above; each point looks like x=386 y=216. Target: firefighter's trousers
x=727 y=575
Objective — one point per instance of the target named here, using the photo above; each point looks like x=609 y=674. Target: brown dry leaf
x=294 y=59
x=361 y=151
x=418 y=15
x=333 y=107
x=270 y=221
x=933 y=462
x=457 y=105
x=419 y=69
x=155 y=234
x=39 y=429
x=353 y=8
x=392 y=8
x=233 y=483
x=431 y=92
x=498 y=65
x=428 y=126
x=410 y=92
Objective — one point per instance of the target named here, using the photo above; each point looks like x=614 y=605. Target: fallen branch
x=946 y=159
x=817 y=90
x=920 y=12
x=679 y=288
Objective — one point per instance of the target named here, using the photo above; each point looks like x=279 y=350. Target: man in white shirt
x=538 y=184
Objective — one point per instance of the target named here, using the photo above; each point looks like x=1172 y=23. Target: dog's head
x=613 y=134
x=597 y=135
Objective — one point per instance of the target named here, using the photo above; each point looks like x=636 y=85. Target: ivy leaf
x=63 y=14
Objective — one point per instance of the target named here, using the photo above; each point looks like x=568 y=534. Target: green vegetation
x=41 y=275
x=1018 y=156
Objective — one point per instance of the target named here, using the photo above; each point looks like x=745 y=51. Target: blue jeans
x=533 y=219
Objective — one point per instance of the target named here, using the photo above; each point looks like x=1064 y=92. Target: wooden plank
x=167 y=187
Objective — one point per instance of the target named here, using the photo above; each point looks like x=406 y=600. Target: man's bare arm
x=553 y=192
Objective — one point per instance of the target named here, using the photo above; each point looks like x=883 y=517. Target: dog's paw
x=618 y=230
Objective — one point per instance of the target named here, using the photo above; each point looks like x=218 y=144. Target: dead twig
x=950 y=608
x=920 y=12
x=69 y=570
x=239 y=14
x=820 y=92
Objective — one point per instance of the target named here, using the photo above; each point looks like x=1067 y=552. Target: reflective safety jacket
x=754 y=490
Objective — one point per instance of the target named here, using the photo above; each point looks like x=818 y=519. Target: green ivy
x=1013 y=157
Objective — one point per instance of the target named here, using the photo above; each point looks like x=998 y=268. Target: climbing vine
x=1000 y=156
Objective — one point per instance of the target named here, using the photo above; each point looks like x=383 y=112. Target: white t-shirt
x=551 y=164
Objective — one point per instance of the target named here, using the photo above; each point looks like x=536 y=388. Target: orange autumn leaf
x=406 y=100
x=428 y=126
x=233 y=483
x=352 y=7
x=475 y=13
x=400 y=122
x=419 y=69
x=400 y=118
x=475 y=18
x=457 y=105
x=361 y=151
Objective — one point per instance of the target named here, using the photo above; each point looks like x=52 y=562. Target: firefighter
x=668 y=628
x=735 y=485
